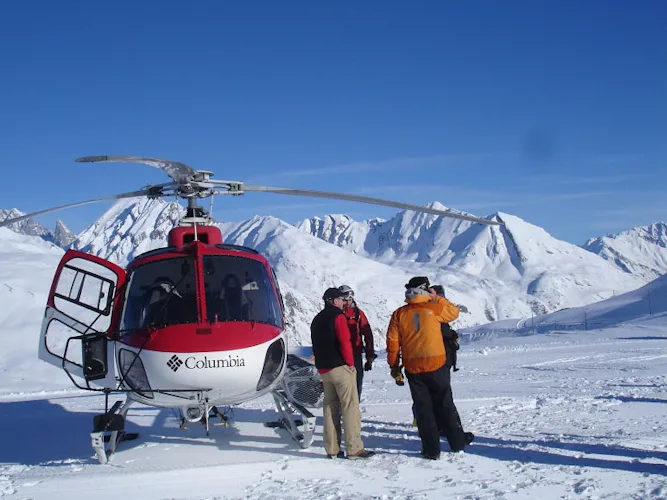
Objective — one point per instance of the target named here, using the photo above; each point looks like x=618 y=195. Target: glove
x=369 y=363
x=397 y=374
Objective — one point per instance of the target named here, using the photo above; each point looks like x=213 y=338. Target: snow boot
x=361 y=454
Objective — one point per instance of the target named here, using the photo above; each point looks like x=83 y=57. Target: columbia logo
x=174 y=362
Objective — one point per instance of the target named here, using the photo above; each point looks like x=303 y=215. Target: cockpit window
x=239 y=289
x=161 y=293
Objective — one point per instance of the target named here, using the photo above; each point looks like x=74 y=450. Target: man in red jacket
x=330 y=338
x=361 y=336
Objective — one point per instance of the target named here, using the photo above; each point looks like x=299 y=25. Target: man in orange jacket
x=414 y=334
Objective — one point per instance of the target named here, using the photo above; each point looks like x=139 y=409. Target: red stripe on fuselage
x=221 y=336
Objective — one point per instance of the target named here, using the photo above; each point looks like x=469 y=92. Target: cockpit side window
x=239 y=289
x=161 y=293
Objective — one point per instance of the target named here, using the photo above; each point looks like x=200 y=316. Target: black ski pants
x=434 y=409
x=359 y=365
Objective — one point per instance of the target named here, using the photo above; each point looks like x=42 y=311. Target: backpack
x=450 y=338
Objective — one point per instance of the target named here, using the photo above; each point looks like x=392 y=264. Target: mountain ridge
x=494 y=272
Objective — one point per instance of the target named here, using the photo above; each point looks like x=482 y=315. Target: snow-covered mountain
x=129 y=228
x=61 y=237
x=641 y=251
x=510 y=271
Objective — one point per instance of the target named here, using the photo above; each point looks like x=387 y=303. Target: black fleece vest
x=323 y=337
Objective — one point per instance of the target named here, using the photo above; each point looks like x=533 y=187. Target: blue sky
x=554 y=111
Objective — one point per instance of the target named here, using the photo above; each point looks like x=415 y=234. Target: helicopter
x=193 y=326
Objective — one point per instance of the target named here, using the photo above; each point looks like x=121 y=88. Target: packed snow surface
x=556 y=415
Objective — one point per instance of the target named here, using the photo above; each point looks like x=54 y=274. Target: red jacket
x=361 y=334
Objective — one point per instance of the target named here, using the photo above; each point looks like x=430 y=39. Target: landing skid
x=294 y=418
x=123 y=436
x=109 y=428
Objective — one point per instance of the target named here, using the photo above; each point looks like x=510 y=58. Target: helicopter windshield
x=239 y=289
x=161 y=293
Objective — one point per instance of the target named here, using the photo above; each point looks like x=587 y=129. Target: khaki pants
x=341 y=398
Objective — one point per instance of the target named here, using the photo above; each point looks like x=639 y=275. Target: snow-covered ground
x=557 y=415
x=560 y=410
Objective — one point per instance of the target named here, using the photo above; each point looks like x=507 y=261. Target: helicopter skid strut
x=294 y=418
x=109 y=428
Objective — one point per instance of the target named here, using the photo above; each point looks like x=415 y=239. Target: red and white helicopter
x=192 y=326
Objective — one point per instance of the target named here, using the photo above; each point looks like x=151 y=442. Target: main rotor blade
x=367 y=199
x=132 y=194
x=180 y=172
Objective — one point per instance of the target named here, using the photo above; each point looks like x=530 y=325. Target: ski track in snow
x=555 y=416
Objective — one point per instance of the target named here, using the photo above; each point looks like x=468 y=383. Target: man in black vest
x=332 y=349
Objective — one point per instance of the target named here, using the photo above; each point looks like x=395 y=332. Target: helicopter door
x=78 y=316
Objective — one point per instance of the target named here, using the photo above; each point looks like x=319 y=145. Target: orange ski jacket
x=414 y=333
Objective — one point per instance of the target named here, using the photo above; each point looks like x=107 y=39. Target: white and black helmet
x=347 y=290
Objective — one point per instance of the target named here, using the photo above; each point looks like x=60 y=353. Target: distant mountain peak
x=641 y=251
x=62 y=236
x=28 y=227
x=436 y=205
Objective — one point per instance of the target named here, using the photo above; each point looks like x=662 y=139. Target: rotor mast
x=195 y=215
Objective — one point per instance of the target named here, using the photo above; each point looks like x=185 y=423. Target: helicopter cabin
x=198 y=280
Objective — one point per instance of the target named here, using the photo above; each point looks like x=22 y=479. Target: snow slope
x=636 y=305
x=27 y=264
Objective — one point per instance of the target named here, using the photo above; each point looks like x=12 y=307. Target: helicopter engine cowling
x=183 y=235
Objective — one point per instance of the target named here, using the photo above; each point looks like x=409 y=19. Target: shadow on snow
x=525 y=452
x=45 y=433
x=632 y=399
